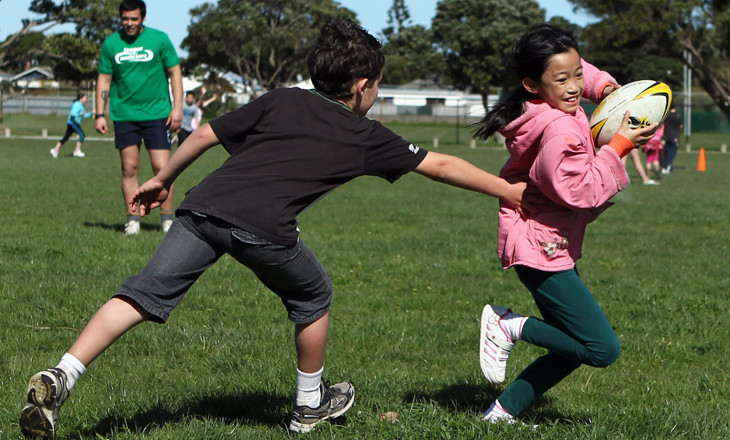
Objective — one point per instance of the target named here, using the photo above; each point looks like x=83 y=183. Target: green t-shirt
x=138 y=66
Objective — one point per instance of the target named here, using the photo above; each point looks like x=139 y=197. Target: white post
x=435 y=142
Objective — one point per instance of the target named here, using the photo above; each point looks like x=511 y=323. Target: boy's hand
x=149 y=196
x=523 y=198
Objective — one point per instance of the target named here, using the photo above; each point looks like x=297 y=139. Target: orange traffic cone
x=701 y=165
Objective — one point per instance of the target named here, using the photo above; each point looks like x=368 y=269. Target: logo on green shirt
x=134 y=55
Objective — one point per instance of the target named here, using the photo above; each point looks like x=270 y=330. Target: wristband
x=621 y=145
x=98 y=115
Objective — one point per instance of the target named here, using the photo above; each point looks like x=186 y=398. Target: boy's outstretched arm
x=462 y=174
x=153 y=192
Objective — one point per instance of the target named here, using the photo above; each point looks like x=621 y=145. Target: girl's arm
x=155 y=191
x=462 y=174
x=568 y=174
x=598 y=84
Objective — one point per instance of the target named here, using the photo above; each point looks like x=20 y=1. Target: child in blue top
x=73 y=125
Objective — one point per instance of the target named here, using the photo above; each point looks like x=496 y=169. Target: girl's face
x=561 y=84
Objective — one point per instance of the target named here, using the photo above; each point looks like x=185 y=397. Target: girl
x=549 y=139
x=73 y=124
x=653 y=150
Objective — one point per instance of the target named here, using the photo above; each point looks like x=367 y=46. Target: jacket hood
x=523 y=134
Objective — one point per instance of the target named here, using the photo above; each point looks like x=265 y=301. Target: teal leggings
x=574 y=330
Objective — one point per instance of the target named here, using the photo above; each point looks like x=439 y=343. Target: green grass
x=412 y=265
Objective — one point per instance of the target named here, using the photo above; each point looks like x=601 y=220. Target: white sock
x=308 y=388
x=512 y=324
x=73 y=369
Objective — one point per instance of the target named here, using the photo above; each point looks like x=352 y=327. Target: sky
x=372 y=14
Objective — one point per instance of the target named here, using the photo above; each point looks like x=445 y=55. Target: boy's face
x=189 y=99
x=369 y=96
x=132 y=22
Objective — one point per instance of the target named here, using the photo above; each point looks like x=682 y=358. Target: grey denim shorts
x=196 y=241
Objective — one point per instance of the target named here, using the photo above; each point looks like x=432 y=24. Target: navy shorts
x=155 y=134
x=195 y=242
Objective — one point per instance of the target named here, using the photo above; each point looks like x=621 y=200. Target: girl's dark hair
x=131 y=5
x=530 y=56
x=80 y=95
x=343 y=53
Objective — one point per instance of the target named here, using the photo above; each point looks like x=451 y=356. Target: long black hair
x=530 y=56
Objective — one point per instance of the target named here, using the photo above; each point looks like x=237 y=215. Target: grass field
x=412 y=264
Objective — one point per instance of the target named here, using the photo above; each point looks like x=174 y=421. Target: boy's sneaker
x=494 y=346
x=335 y=400
x=79 y=153
x=54 y=153
x=132 y=227
x=46 y=393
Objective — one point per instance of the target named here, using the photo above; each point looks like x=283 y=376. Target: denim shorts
x=154 y=133
x=195 y=242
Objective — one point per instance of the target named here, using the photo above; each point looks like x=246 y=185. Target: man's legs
x=130 y=172
x=158 y=159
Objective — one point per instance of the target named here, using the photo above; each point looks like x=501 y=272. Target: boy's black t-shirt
x=289 y=148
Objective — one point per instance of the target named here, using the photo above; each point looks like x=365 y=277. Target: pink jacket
x=556 y=150
x=655 y=143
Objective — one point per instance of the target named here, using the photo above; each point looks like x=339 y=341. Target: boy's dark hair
x=530 y=56
x=343 y=53
x=189 y=92
x=131 y=5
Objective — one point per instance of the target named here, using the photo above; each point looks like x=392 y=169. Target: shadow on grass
x=475 y=399
x=120 y=226
x=246 y=409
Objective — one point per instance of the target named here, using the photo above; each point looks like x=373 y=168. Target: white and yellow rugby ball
x=647 y=100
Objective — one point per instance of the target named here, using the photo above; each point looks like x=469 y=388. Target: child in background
x=73 y=124
x=288 y=148
x=653 y=149
x=549 y=138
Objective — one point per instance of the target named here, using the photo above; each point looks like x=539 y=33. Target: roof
x=32 y=74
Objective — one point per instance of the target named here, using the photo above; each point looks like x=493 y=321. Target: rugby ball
x=647 y=100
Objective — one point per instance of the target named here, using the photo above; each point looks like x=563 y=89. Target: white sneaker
x=54 y=153
x=496 y=414
x=651 y=182
x=79 y=153
x=495 y=345
x=132 y=227
x=45 y=394
x=166 y=225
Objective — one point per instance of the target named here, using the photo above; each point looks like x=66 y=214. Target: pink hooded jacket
x=556 y=150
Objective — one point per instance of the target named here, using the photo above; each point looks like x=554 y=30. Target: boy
x=287 y=149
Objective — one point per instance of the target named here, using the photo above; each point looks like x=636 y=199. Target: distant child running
x=549 y=138
x=73 y=125
x=288 y=149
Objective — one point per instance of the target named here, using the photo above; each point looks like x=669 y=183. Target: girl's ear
x=529 y=85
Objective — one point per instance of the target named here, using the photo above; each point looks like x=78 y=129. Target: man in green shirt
x=134 y=68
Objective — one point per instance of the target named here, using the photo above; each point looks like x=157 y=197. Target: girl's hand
x=637 y=136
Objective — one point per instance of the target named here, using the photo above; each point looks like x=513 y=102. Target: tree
x=644 y=31
x=264 y=42
x=411 y=56
x=476 y=37
x=72 y=56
